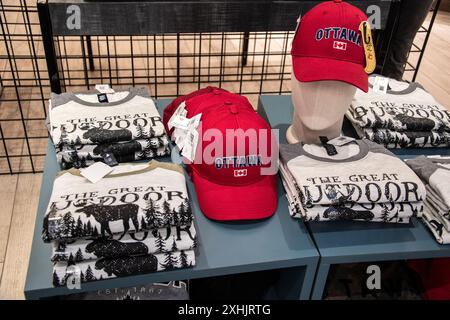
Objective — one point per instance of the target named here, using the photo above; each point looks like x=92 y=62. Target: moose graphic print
x=369 y=185
x=104 y=268
x=129 y=115
x=136 y=198
x=123 y=245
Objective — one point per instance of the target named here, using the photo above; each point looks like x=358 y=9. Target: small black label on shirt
x=102 y=98
x=109 y=159
x=331 y=150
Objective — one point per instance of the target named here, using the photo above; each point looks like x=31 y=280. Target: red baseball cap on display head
x=329 y=46
x=229 y=168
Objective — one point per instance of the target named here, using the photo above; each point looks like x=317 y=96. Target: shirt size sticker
x=380 y=85
x=96 y=172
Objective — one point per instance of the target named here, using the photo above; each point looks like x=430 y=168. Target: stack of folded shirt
x=92 y=126
x=403 y=117
x=435 y=172
x=135 y=220
x=363 y=181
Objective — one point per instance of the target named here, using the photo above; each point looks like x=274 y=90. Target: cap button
x=337 y=1
x=216 y=91
x=234 y=109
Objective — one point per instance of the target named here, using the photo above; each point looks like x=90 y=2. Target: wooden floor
x=19 y=196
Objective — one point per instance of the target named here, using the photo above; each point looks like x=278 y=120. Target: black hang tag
x=102 y=98
x=109 y=159
x=331 y=150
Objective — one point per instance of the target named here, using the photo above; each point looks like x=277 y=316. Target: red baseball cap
x=328 y=45
x=198 y=101
x=229 y=180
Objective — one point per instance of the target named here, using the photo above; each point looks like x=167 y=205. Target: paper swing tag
x=369 y=49
x=178 y=119
x=96 y=172
x=104 y=88
x=190 y=145
x=182 y=136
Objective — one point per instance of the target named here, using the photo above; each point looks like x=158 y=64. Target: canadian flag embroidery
x=240 y=173
x=339 y=45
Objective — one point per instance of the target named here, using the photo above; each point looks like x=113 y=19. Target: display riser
x=224 y=248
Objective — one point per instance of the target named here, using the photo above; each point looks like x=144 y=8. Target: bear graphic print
x=132 y=198
x=123 y=245
x=80 y=156
x=92 y=270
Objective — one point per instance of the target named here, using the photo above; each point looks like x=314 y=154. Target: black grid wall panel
x=24 y=89
x=174 y=64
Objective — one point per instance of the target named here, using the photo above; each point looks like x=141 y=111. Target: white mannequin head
x=319 y=109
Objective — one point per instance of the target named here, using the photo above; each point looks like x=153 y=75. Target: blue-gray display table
x=275 y=243
x=350 y=242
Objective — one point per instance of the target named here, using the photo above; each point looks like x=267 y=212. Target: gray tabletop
x=278 y=242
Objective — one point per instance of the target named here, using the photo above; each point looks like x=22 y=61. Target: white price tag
x=190 y=145
x=96 y=172
x=341 y=141
x=181 y=134
x=104 y=88
x=380 y=84
x=180 y=122
x=180 y=111
x=195 y=121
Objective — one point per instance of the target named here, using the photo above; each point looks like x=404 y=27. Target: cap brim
x=309 y=69
x=227 y=203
